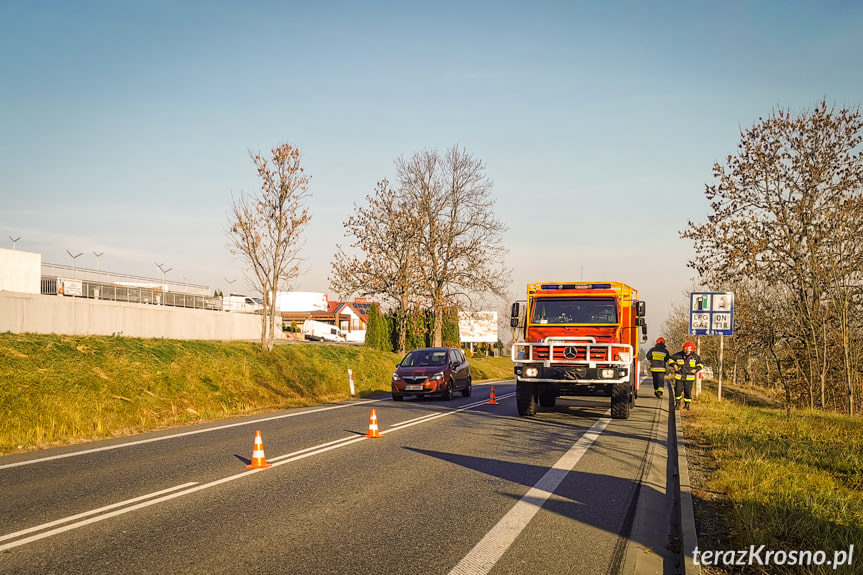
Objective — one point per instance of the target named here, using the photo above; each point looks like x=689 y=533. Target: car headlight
x=437 y=377
x=396 y=376
x=606 y=373
x=531 y=372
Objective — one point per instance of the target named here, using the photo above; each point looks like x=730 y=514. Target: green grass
x=792 y=483
x=66 y=389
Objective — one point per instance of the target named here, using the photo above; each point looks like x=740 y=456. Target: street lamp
x=98 y=255
x=73 y=260
x=14 y=241
x=164 y=271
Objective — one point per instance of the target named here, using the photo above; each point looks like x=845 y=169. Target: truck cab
x=578 y=339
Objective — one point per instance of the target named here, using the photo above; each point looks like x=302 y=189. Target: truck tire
x=547 y=398
x=525 y=398
x=621 y=400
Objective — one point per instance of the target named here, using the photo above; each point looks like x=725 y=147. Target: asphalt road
x=450 y=487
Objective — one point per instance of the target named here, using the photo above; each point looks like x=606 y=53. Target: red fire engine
x=579 y=339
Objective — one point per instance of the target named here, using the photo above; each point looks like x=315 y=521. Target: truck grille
x=571 y=353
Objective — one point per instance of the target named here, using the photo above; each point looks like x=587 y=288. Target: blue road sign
x=711 y=313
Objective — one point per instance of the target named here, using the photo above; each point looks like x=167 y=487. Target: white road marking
x=186 y=433
x=93 y=512
x=491 y=548
x=195 y=432
x=166 y=495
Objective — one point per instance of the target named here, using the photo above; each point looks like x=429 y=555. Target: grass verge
x=67 y=389
x=788 y=483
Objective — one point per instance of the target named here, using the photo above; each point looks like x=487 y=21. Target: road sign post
x=712 y=313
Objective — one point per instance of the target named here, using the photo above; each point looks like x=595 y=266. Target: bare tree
x=460 y=237
x=386 y=231
x=266 y=229
x=774 y=209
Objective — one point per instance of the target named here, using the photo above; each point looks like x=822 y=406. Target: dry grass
x=789 y=483
x=64 y=389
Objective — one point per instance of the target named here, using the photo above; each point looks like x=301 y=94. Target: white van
x=242 y=303
x=319 y=331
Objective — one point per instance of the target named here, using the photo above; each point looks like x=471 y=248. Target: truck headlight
x=607 y=373
x=531 y=372
x=625 y=356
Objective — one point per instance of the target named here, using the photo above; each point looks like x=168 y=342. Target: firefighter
x=686 y=364
x=658 y=356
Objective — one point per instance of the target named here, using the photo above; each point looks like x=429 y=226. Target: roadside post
x=712 y=313
x=351 y=382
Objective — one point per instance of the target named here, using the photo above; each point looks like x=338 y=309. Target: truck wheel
x=547 y=398
x=525 y=398
x=621 y=400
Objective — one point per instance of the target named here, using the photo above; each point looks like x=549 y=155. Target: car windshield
x=423 y=357
x=574 y=310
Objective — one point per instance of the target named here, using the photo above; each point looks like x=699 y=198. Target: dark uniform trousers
x=658 y=356
x=688 y=367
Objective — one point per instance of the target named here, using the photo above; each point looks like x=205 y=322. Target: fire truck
x=578 y=339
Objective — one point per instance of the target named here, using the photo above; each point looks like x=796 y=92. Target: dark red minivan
x=432 y=371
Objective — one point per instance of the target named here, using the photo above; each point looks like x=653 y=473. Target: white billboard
x=478 y=327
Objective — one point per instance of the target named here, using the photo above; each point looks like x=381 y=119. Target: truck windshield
x=574 y=310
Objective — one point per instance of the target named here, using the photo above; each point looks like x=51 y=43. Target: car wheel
x=448 y=394
x=467 y=390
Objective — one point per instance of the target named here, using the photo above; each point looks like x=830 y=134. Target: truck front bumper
x=571 y=374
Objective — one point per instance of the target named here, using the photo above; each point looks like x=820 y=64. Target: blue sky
x=127 y=126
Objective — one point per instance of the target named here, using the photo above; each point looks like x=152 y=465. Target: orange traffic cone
x=491 y=400
x=373 y=426
x=258 y=459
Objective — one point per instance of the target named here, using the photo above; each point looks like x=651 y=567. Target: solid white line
x=491 y=548
x=93 y=512
x=185 y=434
x=280 y=460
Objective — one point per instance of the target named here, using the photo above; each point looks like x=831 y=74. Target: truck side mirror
x=514 y=314
x=641 y=309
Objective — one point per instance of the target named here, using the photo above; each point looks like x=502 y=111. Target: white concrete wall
x=35 y=313
x=20 y=271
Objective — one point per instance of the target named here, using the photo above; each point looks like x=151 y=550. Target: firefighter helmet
x=660 y=340
x=689 y=347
